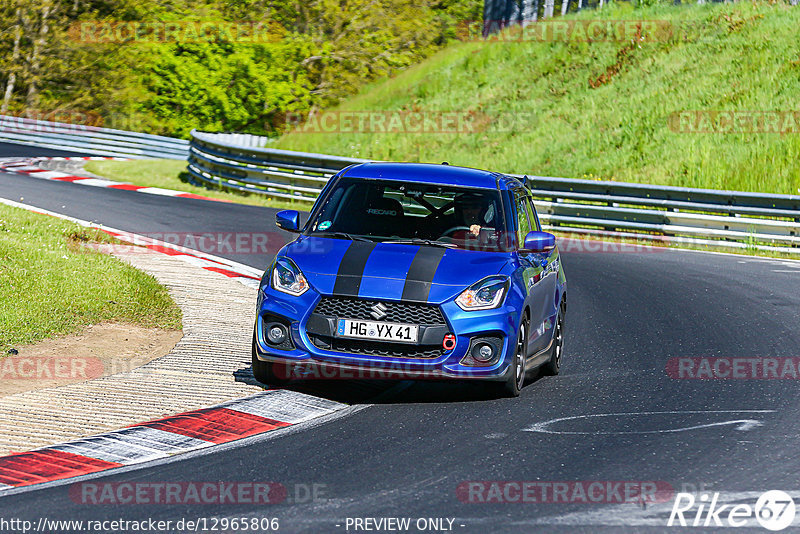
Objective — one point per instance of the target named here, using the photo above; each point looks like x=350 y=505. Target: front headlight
x=287 y=278
x=486 y=294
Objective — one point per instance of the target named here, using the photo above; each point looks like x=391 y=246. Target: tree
x=12 y=68
x=549 y=6
x=323 y=51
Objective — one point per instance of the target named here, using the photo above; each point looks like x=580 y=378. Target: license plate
x=399 y=333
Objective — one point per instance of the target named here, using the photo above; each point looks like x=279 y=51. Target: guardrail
x=90 y=139
x=730 y=219
x=215 y=159
x=243 y=162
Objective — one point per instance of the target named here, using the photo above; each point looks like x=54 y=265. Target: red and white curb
x=29 y=167
x=245 y=274
x=163 y=438
x=177 y=434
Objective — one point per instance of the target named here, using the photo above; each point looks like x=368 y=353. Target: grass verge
x=171 y=174
x=605 y=109
x=52 y=285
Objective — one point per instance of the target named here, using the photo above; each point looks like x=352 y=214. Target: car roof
x=429 y=173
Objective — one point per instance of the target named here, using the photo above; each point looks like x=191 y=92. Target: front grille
x=396 y=312
x=368 y=348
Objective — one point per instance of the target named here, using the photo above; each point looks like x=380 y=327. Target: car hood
x=389 y=271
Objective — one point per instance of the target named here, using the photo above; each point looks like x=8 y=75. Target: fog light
x=483 y=352
x=449 y=342
x=276 y=334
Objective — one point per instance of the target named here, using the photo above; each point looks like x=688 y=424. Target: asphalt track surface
x=405 y=453
x=25 y=151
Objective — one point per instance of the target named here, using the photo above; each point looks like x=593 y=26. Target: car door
x=531 y=271
x=546 y=285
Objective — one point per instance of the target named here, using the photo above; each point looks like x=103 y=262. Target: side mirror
x=288 y=220
x=539 y=242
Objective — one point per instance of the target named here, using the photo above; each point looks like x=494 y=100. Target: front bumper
x=307 y=359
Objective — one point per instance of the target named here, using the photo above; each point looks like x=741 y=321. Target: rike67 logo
x=774 y=510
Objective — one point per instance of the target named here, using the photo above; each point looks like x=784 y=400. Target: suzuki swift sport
x=414 y=271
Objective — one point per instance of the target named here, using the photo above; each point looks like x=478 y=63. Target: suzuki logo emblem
x=378 y=311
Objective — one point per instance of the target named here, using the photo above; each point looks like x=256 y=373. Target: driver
x=470 y=210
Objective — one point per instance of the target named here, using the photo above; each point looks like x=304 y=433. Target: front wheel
x=264 y=372
x=516 y=379
x=553 y=365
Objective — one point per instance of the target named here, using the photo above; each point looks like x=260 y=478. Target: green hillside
x=602 y=109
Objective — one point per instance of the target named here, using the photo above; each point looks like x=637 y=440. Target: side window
x=532 y=215
x=523 y=218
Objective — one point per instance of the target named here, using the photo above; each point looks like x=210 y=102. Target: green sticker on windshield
x=324 y=225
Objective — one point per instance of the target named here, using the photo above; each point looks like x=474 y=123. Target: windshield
x=392 y=211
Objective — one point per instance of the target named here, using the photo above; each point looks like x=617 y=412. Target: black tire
x=264 y=372
x=516 y=379
x=553 y=365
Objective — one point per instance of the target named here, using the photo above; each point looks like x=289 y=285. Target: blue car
x=413 y=271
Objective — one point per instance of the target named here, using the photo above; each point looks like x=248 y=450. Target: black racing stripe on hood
x=351 y=268
x=421 y=273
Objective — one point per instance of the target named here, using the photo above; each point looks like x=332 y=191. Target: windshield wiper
x=419 y=241
x=344 y=235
